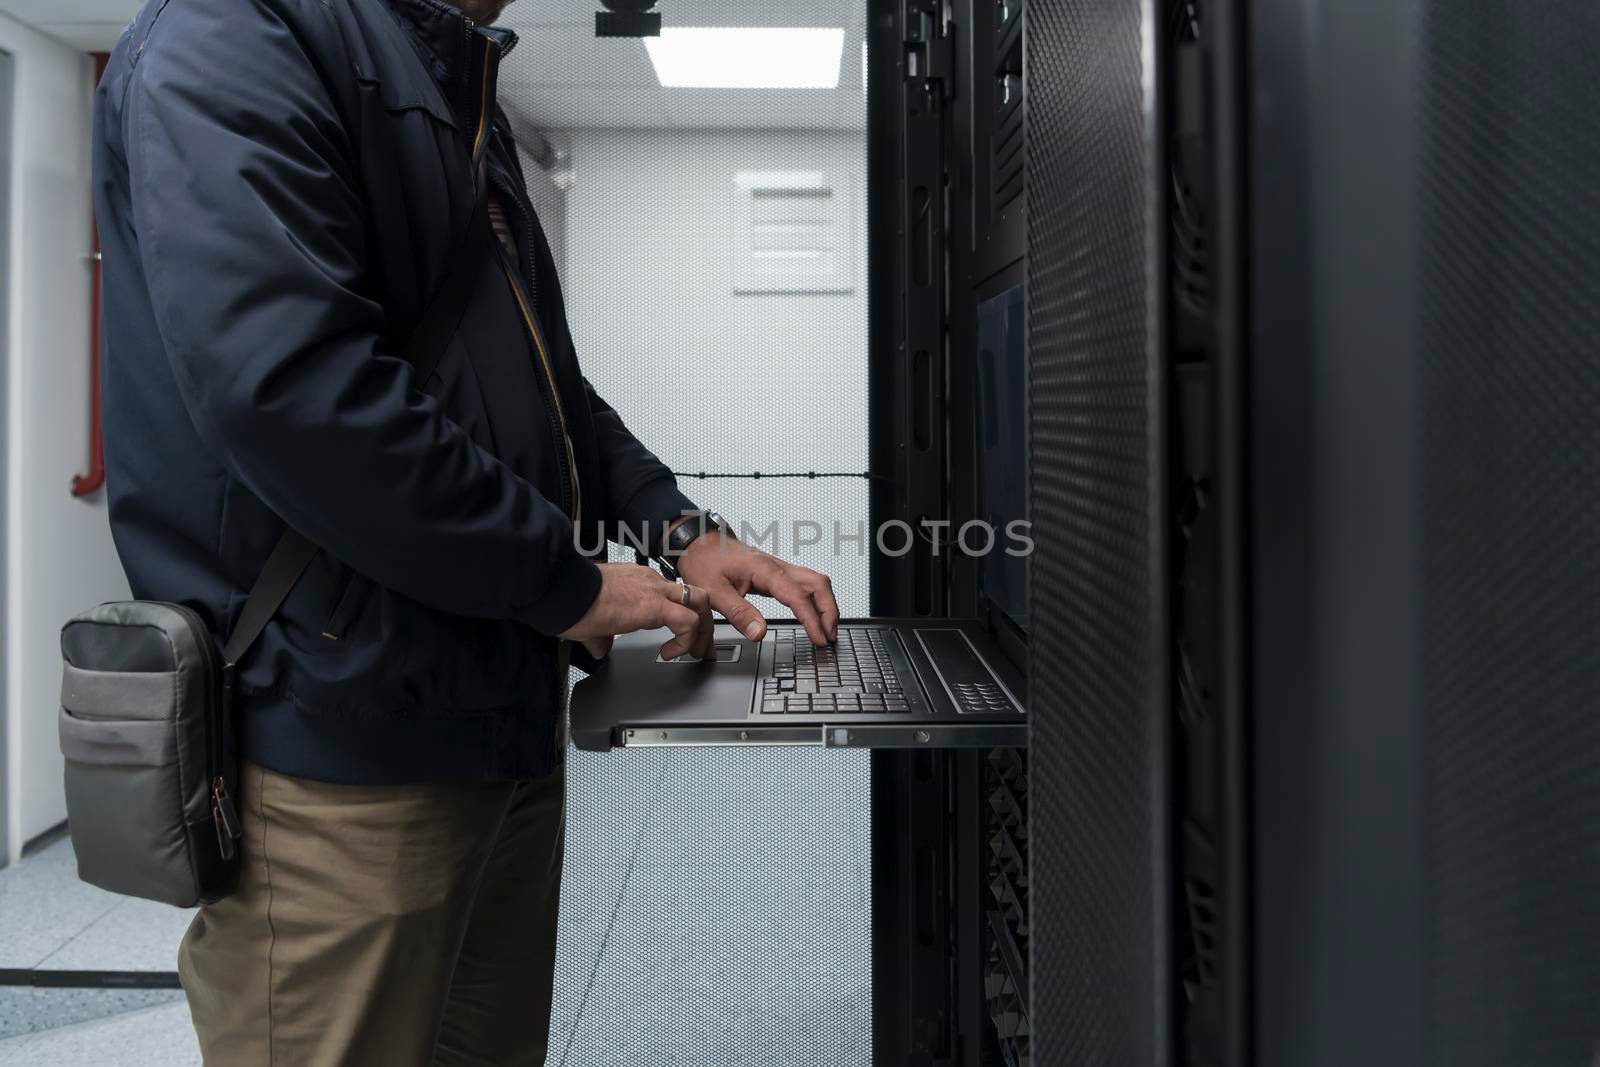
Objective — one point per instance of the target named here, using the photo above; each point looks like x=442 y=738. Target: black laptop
x=883 y=683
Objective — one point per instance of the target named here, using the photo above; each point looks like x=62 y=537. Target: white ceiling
x=562 y=77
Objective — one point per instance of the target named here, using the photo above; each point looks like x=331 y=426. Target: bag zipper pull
x=225 y=818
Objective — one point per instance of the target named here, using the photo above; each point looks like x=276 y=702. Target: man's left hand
x=729 y=570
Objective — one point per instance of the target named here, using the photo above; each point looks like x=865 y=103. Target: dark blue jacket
x=279 y=185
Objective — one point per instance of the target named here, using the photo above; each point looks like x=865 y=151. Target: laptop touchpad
x=727 y=652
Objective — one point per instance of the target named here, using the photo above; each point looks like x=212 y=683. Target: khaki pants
x=383 y=925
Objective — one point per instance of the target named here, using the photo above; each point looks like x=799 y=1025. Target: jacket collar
x=451 y=44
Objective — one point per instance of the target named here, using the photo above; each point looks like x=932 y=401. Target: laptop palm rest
x=967 y=680
x=642 y=689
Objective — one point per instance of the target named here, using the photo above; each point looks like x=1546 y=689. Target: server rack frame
x=938 y=250
x=913 y=952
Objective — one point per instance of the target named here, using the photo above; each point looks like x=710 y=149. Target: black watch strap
x=684 y=534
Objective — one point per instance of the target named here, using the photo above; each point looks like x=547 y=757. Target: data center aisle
x=712 y=247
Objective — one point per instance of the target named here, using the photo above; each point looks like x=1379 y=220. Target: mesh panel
x=1097 y=686
x=715 y=902
x=1511 y=475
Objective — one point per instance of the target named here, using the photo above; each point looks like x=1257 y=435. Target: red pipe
x=84 y=484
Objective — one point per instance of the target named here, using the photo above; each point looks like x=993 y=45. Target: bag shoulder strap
x=293 y=552
x=289 y=560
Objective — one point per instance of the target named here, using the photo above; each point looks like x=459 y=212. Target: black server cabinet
x=1099 y=755
x=916 y=895
x=1427 y=609
x=987 y=209
x=947 y=210
x=1313 y=298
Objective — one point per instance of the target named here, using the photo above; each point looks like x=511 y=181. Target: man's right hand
x=637 y=598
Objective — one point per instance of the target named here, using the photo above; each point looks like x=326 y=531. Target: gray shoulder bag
x=147 y=699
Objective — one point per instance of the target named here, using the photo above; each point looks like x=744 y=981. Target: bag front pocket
x=125 y=806
x=145 y=696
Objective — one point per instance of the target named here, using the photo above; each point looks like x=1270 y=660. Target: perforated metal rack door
x=1509 y=338
x=1427 y=609
x=1098 y=688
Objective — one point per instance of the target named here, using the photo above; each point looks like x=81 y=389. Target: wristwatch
x=695 y=525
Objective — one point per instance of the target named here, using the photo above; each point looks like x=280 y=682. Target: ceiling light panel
x=747 y=57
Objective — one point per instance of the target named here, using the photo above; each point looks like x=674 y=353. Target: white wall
x=709 y=379
x=59 y=555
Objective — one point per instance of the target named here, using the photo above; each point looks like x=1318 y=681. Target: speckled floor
x=157 y=1036
x=49 y=920
x=31 y=1011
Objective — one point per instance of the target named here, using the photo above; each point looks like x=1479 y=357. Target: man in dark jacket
x=281 y=188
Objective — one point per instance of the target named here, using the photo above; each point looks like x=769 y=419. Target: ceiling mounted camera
x=627 y=18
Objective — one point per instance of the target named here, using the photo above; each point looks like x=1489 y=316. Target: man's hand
x=637 y=598
x=727 y=570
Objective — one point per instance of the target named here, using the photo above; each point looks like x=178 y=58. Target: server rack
x=988 y=258
x=1312 y=469
x=948 y=197
x=1100 y=760
x=1425 y=726
x=907 y=82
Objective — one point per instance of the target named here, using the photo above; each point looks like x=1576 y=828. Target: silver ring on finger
x=688 y=596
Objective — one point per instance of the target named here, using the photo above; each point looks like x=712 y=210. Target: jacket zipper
x=569 y=469
x=571 y=496
x=525 y=248
x=479 y=140
x=224 y=816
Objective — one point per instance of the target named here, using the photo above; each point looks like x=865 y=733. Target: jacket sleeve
x=642 y=492
x=251 y=231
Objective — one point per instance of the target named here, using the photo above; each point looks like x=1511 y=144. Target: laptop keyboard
x=856 y=674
